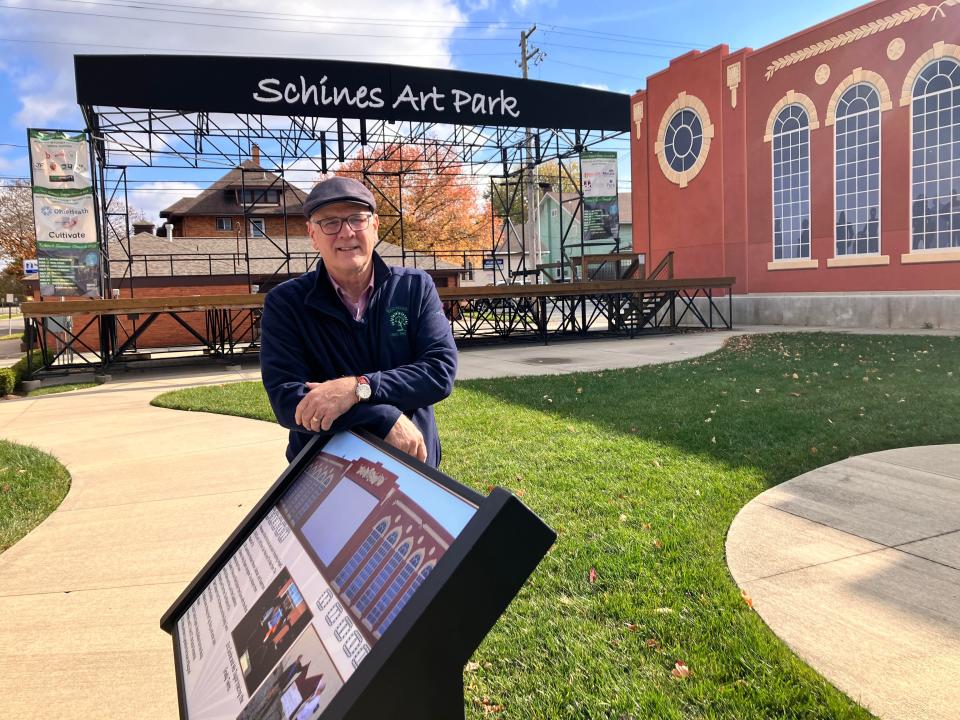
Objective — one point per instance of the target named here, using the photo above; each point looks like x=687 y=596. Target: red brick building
x=825 y=163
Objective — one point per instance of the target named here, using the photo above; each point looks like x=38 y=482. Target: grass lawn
x=641 y=471
x=66 y=387
x=12 y=336
x=32 y=485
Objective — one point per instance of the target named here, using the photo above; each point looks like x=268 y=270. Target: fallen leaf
x=592 y=577
x=564 y=600
x=623 y=518
x=795 y=394
x=631 y=627
x=520 y=493
x=795 y=376
x=579 y=391
x=746 y=598
x=657 y=543
x=471 y=667
x=653 y=643
x=519 y=478
x=813 y=451
x=571 y=428
x=656 y=463
x=6 y=487
x=680 y=670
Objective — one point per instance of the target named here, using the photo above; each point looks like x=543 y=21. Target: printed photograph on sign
x=318 y=582
x=60 y=160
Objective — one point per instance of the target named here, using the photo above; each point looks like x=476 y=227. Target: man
x=355 y=343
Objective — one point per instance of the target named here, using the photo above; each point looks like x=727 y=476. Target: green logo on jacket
x=398 y=320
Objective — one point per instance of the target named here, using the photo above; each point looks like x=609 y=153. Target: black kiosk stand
x=414 y=670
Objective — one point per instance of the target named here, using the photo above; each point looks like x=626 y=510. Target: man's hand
x=406 y=436
x=325 y=402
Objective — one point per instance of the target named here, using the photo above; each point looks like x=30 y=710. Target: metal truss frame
x=125 y=138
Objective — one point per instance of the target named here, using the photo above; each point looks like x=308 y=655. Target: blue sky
x=613 y=45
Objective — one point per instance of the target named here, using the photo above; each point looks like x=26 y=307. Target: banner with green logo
x=601 y=212
x=64 y=213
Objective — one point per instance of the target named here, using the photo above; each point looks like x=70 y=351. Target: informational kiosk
x=357 y=587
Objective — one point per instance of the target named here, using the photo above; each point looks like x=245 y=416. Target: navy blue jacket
x=403 y=345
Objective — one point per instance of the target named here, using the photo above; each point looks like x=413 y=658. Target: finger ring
x=316 y=419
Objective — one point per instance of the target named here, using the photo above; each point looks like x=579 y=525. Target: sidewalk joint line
x=95 y=589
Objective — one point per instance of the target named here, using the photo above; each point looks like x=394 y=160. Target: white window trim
x=258 y=227
x=773 y=197
x=838 y=260
x=925 y=255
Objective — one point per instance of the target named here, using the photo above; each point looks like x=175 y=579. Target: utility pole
x=531 y=236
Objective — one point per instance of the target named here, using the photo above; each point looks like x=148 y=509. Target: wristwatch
x=363 y=388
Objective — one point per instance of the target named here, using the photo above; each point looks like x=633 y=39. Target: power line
x=612 y=52
x=593 y=69
x=220 y=26
x=171 y=51
x=418 y=23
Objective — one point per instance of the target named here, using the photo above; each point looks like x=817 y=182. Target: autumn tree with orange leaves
x=441 y=209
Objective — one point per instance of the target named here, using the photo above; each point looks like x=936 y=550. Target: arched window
x=791 y=184
x=398 y=582
x=406 y=597
x=374 y=588
x=936 y=157
x=858 y=171
x=370 y=566
x=351 y=567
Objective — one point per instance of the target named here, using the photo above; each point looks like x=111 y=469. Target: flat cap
x=338 y=189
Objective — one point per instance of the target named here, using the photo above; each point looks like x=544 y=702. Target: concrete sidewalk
x=856 y=566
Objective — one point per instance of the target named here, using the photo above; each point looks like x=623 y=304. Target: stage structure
x=181 y=118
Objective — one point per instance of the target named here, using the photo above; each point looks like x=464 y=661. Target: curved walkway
x=856 y=566
x=154 y=493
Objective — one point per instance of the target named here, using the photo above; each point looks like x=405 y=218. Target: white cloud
x=42 y=72
x=152 y=197
x=16 y=165
x=595 y=86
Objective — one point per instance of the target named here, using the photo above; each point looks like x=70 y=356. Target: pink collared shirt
x=358 y=308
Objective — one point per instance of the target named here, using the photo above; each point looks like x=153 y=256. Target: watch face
x=363 y=391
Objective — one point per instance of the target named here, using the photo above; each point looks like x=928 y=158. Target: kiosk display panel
x=289 y=608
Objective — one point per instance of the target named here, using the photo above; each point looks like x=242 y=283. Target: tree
x=551 y=177
x=17 y=237
x=441 y=210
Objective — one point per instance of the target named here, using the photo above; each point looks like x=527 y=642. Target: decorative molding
x=822 y=74
x=683 y=102
x=895 y=49
x=793 y=265
x=791 y=98
x=939 y=50
x=733 y=82
x=858 y=260
x=638 y=116
x=931 y=256
x=859 y=75
x=872 y=28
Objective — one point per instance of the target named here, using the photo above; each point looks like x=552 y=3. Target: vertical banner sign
x=64 y=213
x=601 y=213
x=59 y=160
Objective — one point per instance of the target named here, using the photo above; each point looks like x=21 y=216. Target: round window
x=684 y=140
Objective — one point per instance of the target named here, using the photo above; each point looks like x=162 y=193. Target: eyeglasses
x=332 y=226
